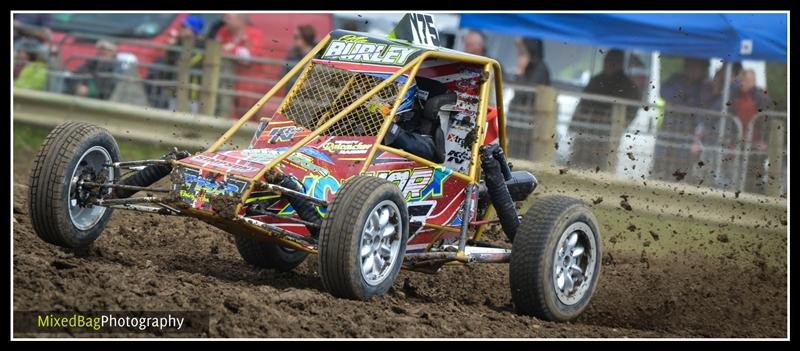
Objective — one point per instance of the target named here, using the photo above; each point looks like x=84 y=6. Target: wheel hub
x=94 y=162
x=380 y=242
x=574 y=263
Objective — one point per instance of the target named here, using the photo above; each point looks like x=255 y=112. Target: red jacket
x=251 y=40
x=249 y=44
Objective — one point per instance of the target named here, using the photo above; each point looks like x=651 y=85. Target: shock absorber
x=305 y=210
x=500 y=156
x=499 y=195
x=149 y=174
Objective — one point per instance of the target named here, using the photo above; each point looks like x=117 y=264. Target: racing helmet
x=406 y=109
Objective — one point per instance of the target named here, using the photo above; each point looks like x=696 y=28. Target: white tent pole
x=654 y=88
x=726 y=94
x=726 y=91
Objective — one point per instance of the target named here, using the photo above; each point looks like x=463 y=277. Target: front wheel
x=555 y=259
x=59 y=207
x=363 y=238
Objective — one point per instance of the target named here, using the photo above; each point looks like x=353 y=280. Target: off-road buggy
x=318 y=178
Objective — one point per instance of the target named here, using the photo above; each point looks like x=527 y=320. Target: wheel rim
x=380 y=242
x=574 y=263
x=93 y=160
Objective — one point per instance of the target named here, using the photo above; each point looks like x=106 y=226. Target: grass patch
x=672 y=236
x=28 y=140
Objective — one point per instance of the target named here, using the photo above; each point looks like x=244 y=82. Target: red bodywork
x=433 y=194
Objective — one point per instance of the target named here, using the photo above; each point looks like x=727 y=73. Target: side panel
x=321 y=166
x=433 y=195
x=195 y=187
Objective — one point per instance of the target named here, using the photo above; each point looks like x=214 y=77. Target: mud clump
x=624 y=203
x=224 y=205
x=679 y=175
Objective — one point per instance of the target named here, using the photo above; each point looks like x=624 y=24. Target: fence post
x=615 y=134
x=210 y=82
x=545 y=114
x=184 y=73
x=777 y=134
x=225 y=100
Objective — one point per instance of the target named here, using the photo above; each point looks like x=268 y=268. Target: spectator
x=93 y=76
x=531 y=68
x=719 y=82
x=243 y=40
x=639 y=73
x=304 y=41
x=23 y=49
x=531 y=71
x=746 y=101
x=164 y=97
x=30 y=29
x=475 y=43
x=702 y=134
x=592 y=119
x=33 y=74
x=688 y=88
x=238 y=37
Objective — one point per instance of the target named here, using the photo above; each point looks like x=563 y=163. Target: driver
x=411 y=131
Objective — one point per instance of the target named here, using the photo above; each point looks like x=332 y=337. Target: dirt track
x=149 y=262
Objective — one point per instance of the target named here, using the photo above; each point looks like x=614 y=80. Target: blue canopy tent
x=731 y=36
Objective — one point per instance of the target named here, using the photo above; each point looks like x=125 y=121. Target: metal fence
x=642 y=141
x=194 y=77
x=627 y=138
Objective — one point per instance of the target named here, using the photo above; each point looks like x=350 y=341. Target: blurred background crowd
x=635 y=114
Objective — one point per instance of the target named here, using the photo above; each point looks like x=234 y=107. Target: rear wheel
x=363 y=238
x=555 y=259
x=59 y=208
x=268 y=255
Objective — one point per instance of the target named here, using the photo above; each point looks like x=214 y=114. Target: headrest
x=434 y=104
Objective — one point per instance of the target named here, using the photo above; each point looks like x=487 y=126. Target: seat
x=434 y=125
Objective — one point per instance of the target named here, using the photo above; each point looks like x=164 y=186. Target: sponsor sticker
x=277 y=135
x=458 y=157
x=366 y=52
x=260 y=155
x=196 y=188
x=347 y=147
x=418 y=183
x=207 y=161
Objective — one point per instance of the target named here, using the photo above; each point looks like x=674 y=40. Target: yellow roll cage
x=491 y=68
